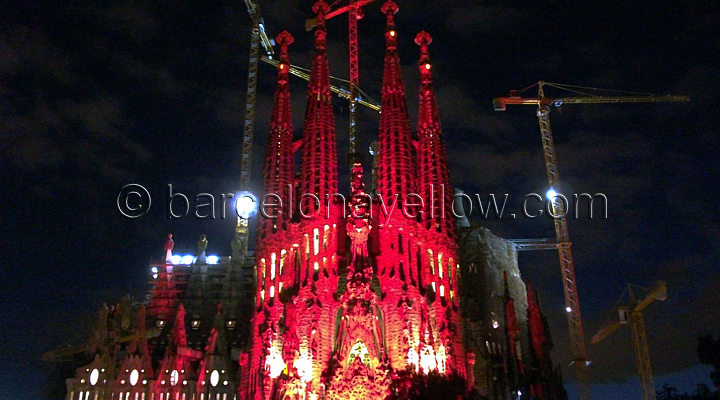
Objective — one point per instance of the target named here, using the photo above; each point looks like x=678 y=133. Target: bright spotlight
x=246 y=205
x=188 y=259
x=551 y=194
x=568 y=309
x=212 y=259
x=176 y=259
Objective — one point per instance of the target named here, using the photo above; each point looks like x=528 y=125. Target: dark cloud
x=481 y=18
x=130 y=19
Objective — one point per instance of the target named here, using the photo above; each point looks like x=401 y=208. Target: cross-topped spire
x=279 y=167
x=433 y=174
x=318 y=168
x=395 y=161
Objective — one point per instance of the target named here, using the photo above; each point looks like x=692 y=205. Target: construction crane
x=632 y=314
x=544 y=104
x=360 y=98
x=259 y=36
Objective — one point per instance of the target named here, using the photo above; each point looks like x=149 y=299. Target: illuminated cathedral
x=345 y=297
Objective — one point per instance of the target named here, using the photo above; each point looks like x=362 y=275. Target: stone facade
x=505 y=328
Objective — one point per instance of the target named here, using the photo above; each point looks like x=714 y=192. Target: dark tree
x=702 y=392
x=709 y=353
x=671 y=393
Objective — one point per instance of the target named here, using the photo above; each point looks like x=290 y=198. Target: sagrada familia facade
x=345 y=297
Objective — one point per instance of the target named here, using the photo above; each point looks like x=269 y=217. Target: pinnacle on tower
x=175 y=360
x=535 y=325
x=432 y=168
x=278 y=171
x=511 y=335
x=318 y=168
x=395 y=158
x=179 y=332
x=141 y=343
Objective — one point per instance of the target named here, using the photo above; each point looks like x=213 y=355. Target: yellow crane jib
x=632 y=314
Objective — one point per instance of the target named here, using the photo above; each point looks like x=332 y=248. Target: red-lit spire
x=176 y=365
x=433 y=175
x=395 y=162
x=536 y=331
x=439 y=236
x=179 y=333
x=278 y=172
x=318 y=169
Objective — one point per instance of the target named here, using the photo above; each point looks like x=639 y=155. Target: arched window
x=283 y=255
x=440 y=267
x=273 y=259
x=214 y=377
x=359 y=350
x=431 y=261
x=316 y=240
x=326 y=237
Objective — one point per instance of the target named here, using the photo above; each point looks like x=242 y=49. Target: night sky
x=99 y=94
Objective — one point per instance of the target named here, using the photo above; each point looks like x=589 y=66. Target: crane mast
x=567 y=268
x=257 y=37
x=639 y=338
x=642 y=355
x=354 y=70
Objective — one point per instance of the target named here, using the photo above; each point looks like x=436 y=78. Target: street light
x=246 y=205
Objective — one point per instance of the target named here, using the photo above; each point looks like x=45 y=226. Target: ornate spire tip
x=390 y=7
x=284 y=38
x=320 y=8
x=423 y=39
